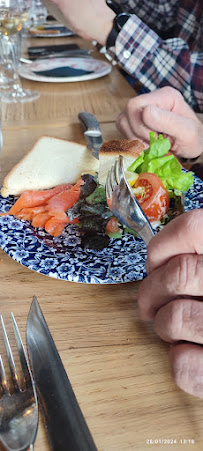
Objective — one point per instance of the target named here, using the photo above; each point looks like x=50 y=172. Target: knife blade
x=92 y=134
x=64 y=421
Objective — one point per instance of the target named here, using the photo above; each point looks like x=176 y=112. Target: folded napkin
x=63 y=72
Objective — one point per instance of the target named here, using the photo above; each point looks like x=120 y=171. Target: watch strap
x=112 y=37
x=118 y=23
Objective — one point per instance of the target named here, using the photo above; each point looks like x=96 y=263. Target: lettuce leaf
x=167 y=168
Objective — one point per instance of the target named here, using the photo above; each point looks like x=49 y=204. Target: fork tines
x=114 y=176
x=22 y=357
x=124 y=204
x=18 y=406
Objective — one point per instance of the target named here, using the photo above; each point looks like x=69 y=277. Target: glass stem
x=2 y=75
x=17 y=83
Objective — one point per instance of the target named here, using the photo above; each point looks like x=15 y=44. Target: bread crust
x=26 y=170
x=43 y=32
x=127 y=147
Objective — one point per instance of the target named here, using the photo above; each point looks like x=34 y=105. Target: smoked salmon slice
x=55 y=226
x=35 y=198
x=58 y=204
x=46 y=209
x=40 y=219
x=30 y=211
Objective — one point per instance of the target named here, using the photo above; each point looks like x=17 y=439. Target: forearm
x=157 y=63
x=90 y=19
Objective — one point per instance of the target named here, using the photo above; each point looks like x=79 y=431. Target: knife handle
x=89 y=121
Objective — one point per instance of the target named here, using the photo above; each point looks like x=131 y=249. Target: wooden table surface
x=118 y=367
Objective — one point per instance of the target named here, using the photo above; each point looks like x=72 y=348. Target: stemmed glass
x=13 y=15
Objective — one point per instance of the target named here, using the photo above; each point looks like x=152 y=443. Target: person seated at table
x=172 y=294
x=157 y=43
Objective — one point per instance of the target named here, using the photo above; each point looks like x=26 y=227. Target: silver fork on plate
x=123 y=203
x=18 y=407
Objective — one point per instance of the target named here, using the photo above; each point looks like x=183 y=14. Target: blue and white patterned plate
x=63 y=257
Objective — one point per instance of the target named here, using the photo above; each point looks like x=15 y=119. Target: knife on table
x=77 y=53
x=92 y=134
x=64 y=421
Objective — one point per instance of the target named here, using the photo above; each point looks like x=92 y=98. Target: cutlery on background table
x=47 y=49
x=123 y=203
x=92 y=134
x=64 y=421
x=77 y=53
x=18 y=406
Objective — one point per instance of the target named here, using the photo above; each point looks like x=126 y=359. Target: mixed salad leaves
x=157 y=181
x=167 y=168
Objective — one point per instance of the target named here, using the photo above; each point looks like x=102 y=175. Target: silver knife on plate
x=64 y=421
x=92 y=134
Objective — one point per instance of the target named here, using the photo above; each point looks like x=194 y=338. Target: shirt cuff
x=135 y=43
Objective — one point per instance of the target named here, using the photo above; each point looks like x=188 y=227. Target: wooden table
x=118 y=367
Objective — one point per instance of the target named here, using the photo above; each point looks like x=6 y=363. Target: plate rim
x=53 y=35
x=42 y=78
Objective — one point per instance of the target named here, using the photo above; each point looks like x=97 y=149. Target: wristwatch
x=118 y=24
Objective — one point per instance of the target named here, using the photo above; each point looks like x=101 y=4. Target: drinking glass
x=39 y=12
x=4 y=82
x=13 y=15
x=1 y=134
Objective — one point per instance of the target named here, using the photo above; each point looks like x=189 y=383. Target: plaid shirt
x=163 y=45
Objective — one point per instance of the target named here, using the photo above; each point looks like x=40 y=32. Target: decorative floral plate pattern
x=63 y=257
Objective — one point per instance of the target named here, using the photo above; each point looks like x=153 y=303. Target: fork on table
x=18 y=406
x=123 y=203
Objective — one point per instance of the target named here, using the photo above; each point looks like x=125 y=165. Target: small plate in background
x=94 y=69
x=50 y=31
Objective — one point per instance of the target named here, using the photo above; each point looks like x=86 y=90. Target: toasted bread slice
x=110 y=150
x=51 y=162
x=41 y=31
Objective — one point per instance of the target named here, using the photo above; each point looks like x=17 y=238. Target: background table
x=117 y=365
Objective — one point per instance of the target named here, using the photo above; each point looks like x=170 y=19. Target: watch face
x=121 y=19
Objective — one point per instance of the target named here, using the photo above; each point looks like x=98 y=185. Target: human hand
x=90 y=19
x=172 y=296
x=164 y=111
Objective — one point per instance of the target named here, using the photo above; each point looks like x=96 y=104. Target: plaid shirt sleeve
x=157 y=63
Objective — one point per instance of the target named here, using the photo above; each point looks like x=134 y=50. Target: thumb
x=164 y=121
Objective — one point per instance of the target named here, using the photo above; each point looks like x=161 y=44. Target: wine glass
x=13 y=15
x=4 y=82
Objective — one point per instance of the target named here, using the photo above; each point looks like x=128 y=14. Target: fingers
x=124 y=127
x=131 y=125
x=183 y=131
x=187 y=367
x=180 y=236
x=180 y=277
x=163 y=111
x=180 y=320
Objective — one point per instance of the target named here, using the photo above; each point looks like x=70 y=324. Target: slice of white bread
x=110 y=150
x=51 y=162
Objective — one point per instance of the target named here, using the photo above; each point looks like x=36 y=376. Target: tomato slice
x=152 y=196
x=112 y=226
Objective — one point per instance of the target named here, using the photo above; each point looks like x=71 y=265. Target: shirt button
x=126 y=54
